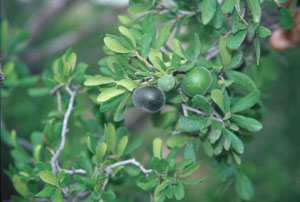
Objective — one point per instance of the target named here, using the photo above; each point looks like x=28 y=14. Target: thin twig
x=25 y=144
x=56 y=88
x=151 y=197
x=147 y=78
x=108 y=169
x=211 y=53
x=75 y=171
x=64 y=128
x=188 y=108
x=185 y=112
x=143 y=60
x=176 y=132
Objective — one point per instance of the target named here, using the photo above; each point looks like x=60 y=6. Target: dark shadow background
x=272 y=161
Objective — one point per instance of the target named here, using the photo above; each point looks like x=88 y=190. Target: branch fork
x=109 y=169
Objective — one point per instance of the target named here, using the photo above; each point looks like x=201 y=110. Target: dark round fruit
x=196 y=81
x=148 y=99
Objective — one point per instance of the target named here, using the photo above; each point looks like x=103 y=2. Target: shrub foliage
x=197 y=52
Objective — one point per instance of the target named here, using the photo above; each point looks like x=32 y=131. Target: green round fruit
x=166 y=83
x=197 y=81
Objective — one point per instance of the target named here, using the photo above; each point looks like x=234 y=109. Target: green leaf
x=122 y=145
x=126 y=32
x=175 y=62
x=139 y=8
x=90 y=142
x=247 y=123
x=101 y=150
x=162 y=37
x=155 y=56
x=224 y=52
x=127 y=83
x=218 y=19
x=134 y=144
x=189 y=151
x=218 y=98
x=237 y=158
x=111 y=137
x=120 y=112
x=234 y=41
x=108 y=93
x=263 y=32
x=243 y=186
x=257 y=49
x=177 y=140
x=184 y=163
x=115 y=46
x=149 y=26
x=124 y=19
x=236 y=61
x=57 y=196
x=157 y=165
x=228 y=6
x=157 y=147
x=197 y=49
x=191 y=123
x=170 y=192
x=226 y=102
x=193 y=182
x=286 y=18
x=236 y=143
x=145 y=45
x=227 y=142
x=208 y=10
x=202 y=103
x=179 y=191
x=219 y=146
x=246 y=102
x=20 y=186
x=98 y=80
x=254 y=6
x=109 y=196
x=159 y=196
x=48 y=177
x=86 y=164
x=13 y=138
x=147 y=186
x=36 y=152
x=189 y=170
x=208 y=148
x=235 y=21
x=240 y=79
x=215 y=132
x=72 y=60
x=178 y=48
x=132 y=170
x=112 y=105
x=46 y=192
x=38 y=92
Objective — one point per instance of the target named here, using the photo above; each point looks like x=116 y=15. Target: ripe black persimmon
x=148 y=99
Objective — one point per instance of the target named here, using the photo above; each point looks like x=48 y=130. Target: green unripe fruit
x=197 y=81
x=148 y=99
x=166 y=83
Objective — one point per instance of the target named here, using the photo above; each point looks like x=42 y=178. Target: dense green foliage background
x=273 y=161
